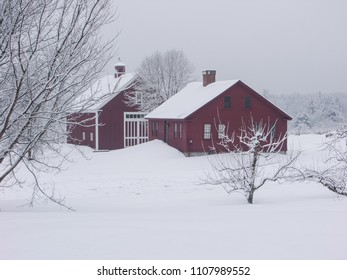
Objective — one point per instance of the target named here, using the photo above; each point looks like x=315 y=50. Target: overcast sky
x=284 y=46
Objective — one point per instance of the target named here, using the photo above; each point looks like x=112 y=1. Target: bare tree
x=50 y=51
x=160 y=76
x=332 y=173
x=249 y=159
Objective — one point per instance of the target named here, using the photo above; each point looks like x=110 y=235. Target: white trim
x=221 y=131
x=124 y=130
x=138 y=98
x=135 y=128
x=207 y=131
x=97 y=130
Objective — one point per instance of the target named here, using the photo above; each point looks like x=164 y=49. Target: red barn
x=109 y=123
x=189 y=120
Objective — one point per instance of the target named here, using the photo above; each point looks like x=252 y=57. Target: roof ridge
x=191 y=98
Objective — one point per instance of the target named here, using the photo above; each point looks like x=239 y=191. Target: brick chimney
x=208 y=77
x=120 y=68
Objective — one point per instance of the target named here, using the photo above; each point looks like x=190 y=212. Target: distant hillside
x=312 y=113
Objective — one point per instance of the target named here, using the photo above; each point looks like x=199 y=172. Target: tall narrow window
x=248 y=102
x=153 y=128
x=273 y=131
x=83 y=136
x=207 y=131
x=156 y=128
x=91 y=136
x=181 y=131
x=221 y=131
x=258 y=126
x=175 y=130
x=227 y=102
x=138 y=98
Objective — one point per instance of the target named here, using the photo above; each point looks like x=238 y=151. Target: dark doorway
x=166 y=131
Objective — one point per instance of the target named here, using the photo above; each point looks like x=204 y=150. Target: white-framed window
x=138 y=98
x=91 y=136
x=221 y=131
x=258 y=126
x=83 y=136
x=207 y=131
x=181 y=131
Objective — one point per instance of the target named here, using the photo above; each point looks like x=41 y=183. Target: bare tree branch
x=332 y=174
x=50 y=52
x=249 y=158
x=160 y=76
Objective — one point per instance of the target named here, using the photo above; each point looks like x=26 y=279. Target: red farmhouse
x=188 y=121
x=109 y=123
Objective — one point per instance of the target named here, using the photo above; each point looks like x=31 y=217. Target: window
x=181 y=131
x=207 y=131
x=175 y=130
x=273 y=131
x=248 y=102
x=258 y=127
x=221 y=131
x=227 y=102
x=138 y=98
x=153 y=127
x=91 y=136
x=83 y=136
x=156 y=129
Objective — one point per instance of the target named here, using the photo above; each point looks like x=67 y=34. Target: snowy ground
x=145 y=202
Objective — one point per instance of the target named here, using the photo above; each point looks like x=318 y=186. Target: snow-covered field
x=145 y=202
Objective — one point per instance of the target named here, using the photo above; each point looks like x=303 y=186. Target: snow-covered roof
x=119 y=63
x=189 y=99
x=104 y=89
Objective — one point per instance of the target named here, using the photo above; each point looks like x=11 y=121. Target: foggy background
x=282 y=46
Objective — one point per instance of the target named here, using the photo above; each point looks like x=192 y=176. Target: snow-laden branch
x=160 y=76
x=249 y=158
x=332 y=172
x=50 y=52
